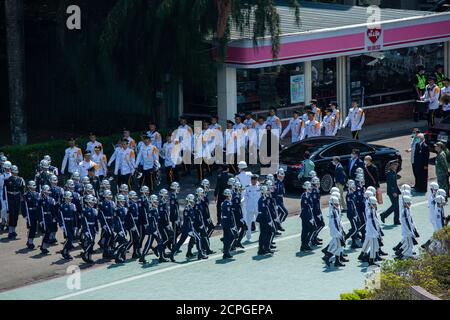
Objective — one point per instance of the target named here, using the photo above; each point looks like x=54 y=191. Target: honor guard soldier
x=106 y=210
x=78 y=186
x=154 y=135
x=352 y=214
x=296 y=127
x=336 y=114
x=174 y=211
x=206 y=212
x=164 y=226
x=3 y=159
x=43 y=177
x=132 y=225
x=57 y=193
x=238 y=216
x=6 y=167
x=265 y=222
x=124 y=158
x=409 y=232
x=274 y=121
x=317 y=211
x=279 y=194
x=371 y=245
x=78 y=202
x=46 y=212
x=14 y=190
x=67 y=223
x=31 y=211
x=253 y=194
x=227 y=222
x=271 y=203
x=119 y=229
x=72 y=157
x=439 y=215
x=153 y=232
x=334 y=248
x=148 y=157
x=89 y=228
x=330 y=124
x=170 y=156
x=51 y=169
x=316 y=110
x=199 y=225
x=102 y=162
x=144 y=208
x=312 y=126
x=306 y=217
x=86 y=164
x=356 y=117
x=188 y=230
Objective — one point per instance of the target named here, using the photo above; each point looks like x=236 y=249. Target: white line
x=145 y=275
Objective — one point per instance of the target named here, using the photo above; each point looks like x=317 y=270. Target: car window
x=340 y=150
x=295 y=153
x=363 y=148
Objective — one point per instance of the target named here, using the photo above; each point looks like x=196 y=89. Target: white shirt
x=297 y=129
x=445 y=90
x=432 y=96
x=244 y=178
x=275 y=122
x=148 y=157
x=155 y=138
x=312 y=128
x=72 y=158
x=170 y=154
x=91 y=145
x=102 y=164
x=83 y=167
x=330 y=124
x=252 y=194
x=356 y=117
x=124 y=161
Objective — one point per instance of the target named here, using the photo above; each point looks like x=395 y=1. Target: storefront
x=335 y=55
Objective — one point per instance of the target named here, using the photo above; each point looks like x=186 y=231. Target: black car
x=439 y=132
x=323 y=149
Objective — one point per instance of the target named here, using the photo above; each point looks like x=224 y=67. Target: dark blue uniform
x=66 y=222
x=239 y=220
x=279 y=194
x=228 y=225
x=57 y=194
x=78 y=202
x=31 y=213
x=306 y=216
x=265 y=225
x=317 y=215
x=89 y=225
x=174 y=215
x=132 y=226
x=153 y=232
x=121 y=236
x=200 y=228
x=164 y=225
x=46 y=212
x=207 y=216
x=13 y=192
x=272 y=205
x=106 y=210
x=352 y=215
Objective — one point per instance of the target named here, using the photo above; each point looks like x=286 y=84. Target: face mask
x=366 y=163
x=352 y=156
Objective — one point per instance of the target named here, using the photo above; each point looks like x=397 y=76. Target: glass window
x=340 y=150
x=385 y=77
x=363 y=148
x=323 y=77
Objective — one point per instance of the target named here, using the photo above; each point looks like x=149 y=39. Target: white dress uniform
x=338 y=116
x=317 y=113
x=335 y=245
x=249 y=123
x=148 y=157
x=432 y=95
x=312 y=128
x=216 y=135
x=155 y=138
x=252 y=195
x=259 y=133
x=356 y=117
x=102 y=163
x=371 y=244
x=431 y=209
x=124 y=161
x=445 y=90
x=438 y=218
x=90 y=146
x=297 y=129
x=83 y=167
x=330 y=124
x=407 y=233
x=72 y=158
x=171 y=154
x=275 y=122
x=4 y=213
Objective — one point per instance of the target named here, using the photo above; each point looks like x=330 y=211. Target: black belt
x=13 y=193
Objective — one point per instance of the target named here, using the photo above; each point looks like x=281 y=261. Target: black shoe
x=378 y=258
x=363 y=257
x=273 y=247
x=11 y=236
x=239 y=245
x=305 y=248
x=382 y=253
x=344 y=254
x=106 y=256
x=202 y=257
x=135 y=256
x=189 y=255
x=382 y=217
x=261 y=252
x=373 y=263
x=281 y=229
x=155 y=251
x=119 y=260
x=270 y=251
x=162 y=259
x=67 y=256
x=253 y=227
x=30 y=246
x=355 y=245
x=142 y=260
x=343 y=259
x=325 y=250
x=278 y=233
x=53 y=241
x=2 y=227
x=397 y=247
x=210 y=252
x=84 y=258
x=399 y=257
x=397 y=223
x=171 y=257
x=44 y=251
x=338 y=263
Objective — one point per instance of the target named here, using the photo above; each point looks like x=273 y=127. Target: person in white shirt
x=445 y=97
x=432 y=94
x=336 y=113
x=102 y=163
x=170 y=155
x=330 y=124
x=296 y=127
x=72 y=157
x=312 y=126
x=148 y=157
x=356 y=117
x=154 y=135
x=274 y=121
x=230 y=140
x=316 y=110
x=184 y=136
x=252 y=195
x=6 y=168
x=130 y=140
x=249 y=122
x=124 y=158
x=86 y=164
x=92 y=143
x=259 y=127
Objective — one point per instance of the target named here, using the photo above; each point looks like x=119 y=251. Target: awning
x=332 y=30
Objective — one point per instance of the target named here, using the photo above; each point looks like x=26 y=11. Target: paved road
x=24 y=267
x=288 y=274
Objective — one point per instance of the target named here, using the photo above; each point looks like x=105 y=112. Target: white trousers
x=371 y=246
x=249 y=217
x=335 y=247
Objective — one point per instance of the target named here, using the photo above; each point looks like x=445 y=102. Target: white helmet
x=242 y=165
x=190 y=199
x=368 y=194
x=270 y=177
x=44 y=164
x=3 y=159
x=15 y=169
x=85 y=180
x=336 y=194
x=351 y=184
x=48 y=159
x=441 y=192
x=7 y=165
x=164 y=194
x=359 y=178
x=434 y=186
x=89 y=189
x=406 y=193
x=315 y=182
x=372 y=189
x=200 y=193
x=145 y=190
x=440 y=199
x=312 y=174
x=175 y=186
x=205 y=184
x=231 y=182
x=359 y=171
x=405 y=187
x=70 y=184
x=76 y=176
x=280 y=172
x=154 y=199
x=133 y=195
x=335 y=189
x=407 y=200
x=307 y=185
x=105 y=183
x=32 y=185
x=227 y=193
x=123 y=188
x=68 y=195
x=264 y=190
x=237 y=186
x=46 y=189
x=54 y=179
x=90 y=200
x=373 y=201
x=121 y=199
x=108 y=194
x=334 y=201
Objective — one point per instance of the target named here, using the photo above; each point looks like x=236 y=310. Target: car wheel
x=326 y=183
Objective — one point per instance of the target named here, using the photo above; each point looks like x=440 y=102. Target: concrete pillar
x=226 y=94
x=447 y=58
x=308 y=81
x=341 y=79
x=180 y=98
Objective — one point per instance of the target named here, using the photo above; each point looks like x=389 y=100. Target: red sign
x=374 y=34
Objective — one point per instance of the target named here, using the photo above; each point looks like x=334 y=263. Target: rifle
x=87 y=227
x=5 y=195
x=106 y=223
x=28 y=214
x=135 y=226
x=43 y=220
x=63 y=223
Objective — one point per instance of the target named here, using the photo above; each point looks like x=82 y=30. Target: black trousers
x=172 y=175
x=184 y=236
x=352 y=233
x=69 y=236
x=32 y=224
x=134 y=240
x=228 y=239
x=264 y=237
x=421 y=179
x=121 y=246
x=355 y=134
x=220 y=199
x=124 y=179
x=148 y=179
x=14 y=209
x=307 y=231
x=394 y=208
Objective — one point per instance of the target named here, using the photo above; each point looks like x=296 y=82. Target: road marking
x=211 y=258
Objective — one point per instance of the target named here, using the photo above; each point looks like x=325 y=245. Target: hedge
x=27 y=157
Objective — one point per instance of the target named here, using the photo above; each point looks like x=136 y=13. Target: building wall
x=389 y=113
